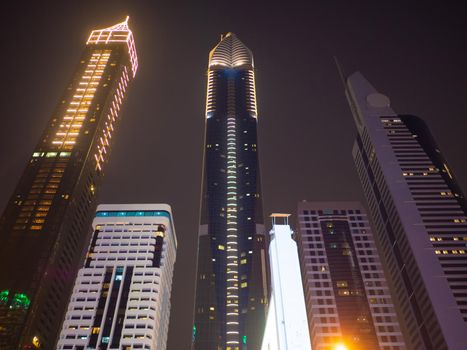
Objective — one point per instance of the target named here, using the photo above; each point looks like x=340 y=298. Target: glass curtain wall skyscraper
x=44 y=228
x=420 y=216
x=231 y=283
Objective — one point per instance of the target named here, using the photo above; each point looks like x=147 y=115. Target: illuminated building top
x=231 y=53
x=119 y=33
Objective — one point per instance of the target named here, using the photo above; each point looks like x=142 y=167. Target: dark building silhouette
x=420 y=218
x=231 y=281
x=45 y=226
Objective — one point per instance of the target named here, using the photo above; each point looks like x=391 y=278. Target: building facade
x=347 y=297
x=231 y=281
x=420 y=218
x=286 y=323
x=42 y=230
x=121 y=297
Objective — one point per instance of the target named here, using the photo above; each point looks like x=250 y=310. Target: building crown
x=230 y=52
x=118 y=33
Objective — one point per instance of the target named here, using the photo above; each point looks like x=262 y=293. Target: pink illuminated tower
x=45 y=226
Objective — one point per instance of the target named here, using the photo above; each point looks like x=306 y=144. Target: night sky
x=414 y=53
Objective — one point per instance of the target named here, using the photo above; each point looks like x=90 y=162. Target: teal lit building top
x=132 y=213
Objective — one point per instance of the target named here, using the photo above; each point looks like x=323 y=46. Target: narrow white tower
x=286 y=325
x=121 y=297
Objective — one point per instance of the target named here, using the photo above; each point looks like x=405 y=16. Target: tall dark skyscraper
x=420 y=216
x=45 y=226
x=231 y=281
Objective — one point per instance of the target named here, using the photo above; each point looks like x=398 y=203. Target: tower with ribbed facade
x=231 y=280
x=44 y=228
x=420 y=216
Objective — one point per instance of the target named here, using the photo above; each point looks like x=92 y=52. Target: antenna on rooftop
x=340 y=70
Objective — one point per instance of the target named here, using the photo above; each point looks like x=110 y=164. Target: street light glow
x=341 y=346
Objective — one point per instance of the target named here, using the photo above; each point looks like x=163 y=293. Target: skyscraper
x=286 y=324
x=43 y=230
x=231 y=283
x=420 y=218
x=348 y=300
x=121 y=297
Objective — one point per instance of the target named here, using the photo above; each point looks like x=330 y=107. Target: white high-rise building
x=286 y=324
x=121 y=297
x=420 y=217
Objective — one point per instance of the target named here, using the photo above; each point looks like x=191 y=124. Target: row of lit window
x=389 y=122
x=415 y=174
x=51 y=154
x=439 y=239
x=446 y=252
